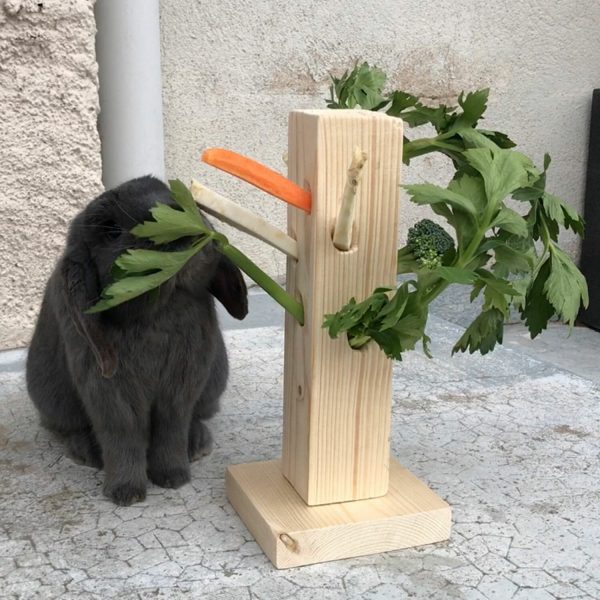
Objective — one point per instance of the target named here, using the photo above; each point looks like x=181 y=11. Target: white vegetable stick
x=342 y=235
x=241 y=218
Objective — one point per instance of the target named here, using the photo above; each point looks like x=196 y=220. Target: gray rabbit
x=130 y=388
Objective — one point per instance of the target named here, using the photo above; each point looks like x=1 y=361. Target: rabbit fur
x=129 y=389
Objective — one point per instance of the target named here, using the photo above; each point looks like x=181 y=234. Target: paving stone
x=361 y=579
x=497 y=587
x=511 y=442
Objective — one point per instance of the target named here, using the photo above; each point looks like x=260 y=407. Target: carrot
x=259 y=176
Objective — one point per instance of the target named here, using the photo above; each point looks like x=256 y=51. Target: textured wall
x=49 y=147
x=232 y=70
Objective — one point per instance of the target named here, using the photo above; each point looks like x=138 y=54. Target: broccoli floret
x=428 y=242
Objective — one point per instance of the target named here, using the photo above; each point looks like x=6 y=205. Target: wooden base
x=293 y=534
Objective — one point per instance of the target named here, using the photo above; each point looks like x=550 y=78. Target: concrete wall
x=49 y=147
x=233 y=70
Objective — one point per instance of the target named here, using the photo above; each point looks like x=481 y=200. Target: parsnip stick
x=241 y=218
x=342 y=235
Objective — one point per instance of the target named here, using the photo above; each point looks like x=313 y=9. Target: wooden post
x=337 y=401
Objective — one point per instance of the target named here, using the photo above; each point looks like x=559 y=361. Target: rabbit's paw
x=125 y=494
x=200 y=441
x=169 y=477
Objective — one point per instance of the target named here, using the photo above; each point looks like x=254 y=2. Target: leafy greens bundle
x=512 y=259
x=138 y=271
x=508 y=258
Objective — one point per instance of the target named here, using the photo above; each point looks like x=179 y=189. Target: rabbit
x=130 y=389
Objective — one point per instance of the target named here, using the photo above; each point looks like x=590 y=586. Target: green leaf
x=141 y=260
x=511 y=258
x=400 y=101
x=503 y=171
x=496 y=291
x=145 y=270
x=464 y=224
x=477 y=287
x=491 y=243
x=562 y=213
x=482 y=334
x=501 y=285
x=361 y=87
x=169 y=224
x=426 y=343
x=471 y=187
x=500 y=139
x=402 y=337
x=445 y=211
x=427 y=193
x=527 y=194
x=391 y=323
x=475 y=139
x=492 y=298
x=407 y=263
x=127 y=289
x=392 y=311
x=537 y=310
x=182 y=195
x=353 y=314
x=548 y=212
x=473 y=105
x=565 y=288
x=521 y=286
x=547 y=161
x=439 y=116
x=414 y=113
x=456 y=275
x=542 y=226
x=463 y=218
x=368 y=86
x=511 y=221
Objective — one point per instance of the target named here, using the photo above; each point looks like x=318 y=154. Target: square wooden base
x=293 y=534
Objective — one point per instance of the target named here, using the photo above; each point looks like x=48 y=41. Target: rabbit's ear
x=228 y=286
x=80 y=287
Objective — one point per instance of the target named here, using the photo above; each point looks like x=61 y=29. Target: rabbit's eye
x=111 y=230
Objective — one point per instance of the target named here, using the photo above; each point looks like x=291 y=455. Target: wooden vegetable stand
x=336 y=493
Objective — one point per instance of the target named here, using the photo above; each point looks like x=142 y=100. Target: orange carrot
x=259 y=176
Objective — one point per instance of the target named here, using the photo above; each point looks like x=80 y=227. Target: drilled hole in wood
x=299 y=298
x=353 y=248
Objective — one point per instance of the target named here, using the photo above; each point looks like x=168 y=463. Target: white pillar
x=131 y=117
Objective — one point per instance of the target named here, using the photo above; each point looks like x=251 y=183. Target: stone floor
x=510 y=440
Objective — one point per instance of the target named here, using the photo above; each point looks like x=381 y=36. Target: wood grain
x=294 y=534
x=337 y=401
